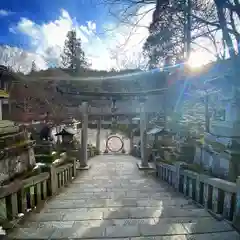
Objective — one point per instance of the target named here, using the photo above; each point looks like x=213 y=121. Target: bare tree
x=14 y=58
x=124 y=60
x=210 y=20
x=128 y=13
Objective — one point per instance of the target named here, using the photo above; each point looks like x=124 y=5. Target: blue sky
x=44 y=11
x=40 y=27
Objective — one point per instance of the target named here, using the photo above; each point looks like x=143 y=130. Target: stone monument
x=16 y=154
x=221 y=146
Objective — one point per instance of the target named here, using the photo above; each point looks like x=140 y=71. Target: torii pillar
x=84 y=137
x=131 y=135
x=143 y=165
x=98 y=134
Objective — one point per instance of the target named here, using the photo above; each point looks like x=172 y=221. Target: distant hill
x=60 y=72
x=35 y=94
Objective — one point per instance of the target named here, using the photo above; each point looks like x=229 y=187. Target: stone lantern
x=16 y=152
x=6 y=78
x=69 y=145
x=223 y=139
x=67 y=135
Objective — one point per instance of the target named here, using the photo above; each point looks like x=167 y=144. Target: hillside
x=37 y=93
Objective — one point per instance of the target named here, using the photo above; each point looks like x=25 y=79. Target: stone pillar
x=98 y=135
x=131 y=135
x=143 y=135
x=84 y=136
x=1 y=114
x=131 y=142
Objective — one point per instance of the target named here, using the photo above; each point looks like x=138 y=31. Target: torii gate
x=141 y=96
x=69 y=86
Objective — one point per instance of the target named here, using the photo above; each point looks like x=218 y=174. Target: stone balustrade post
x=227 y=205
x=197 y=194
x=190 y=187
x=205 y=195
x=185 y=186
x=3 y=234
x=215 y=199
x=177 y=176
x=74 y=162
x=236 y=217
x=72 y=156
x=53 y=180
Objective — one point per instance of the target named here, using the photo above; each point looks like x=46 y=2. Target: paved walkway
x=116 y=200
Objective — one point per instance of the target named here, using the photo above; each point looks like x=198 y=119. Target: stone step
x=116 y=213
x=141 y=230
x=114 y=222
x=117 y=195
x=101 y=203
x=129 y=206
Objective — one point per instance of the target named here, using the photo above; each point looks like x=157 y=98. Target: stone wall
x=16 y=164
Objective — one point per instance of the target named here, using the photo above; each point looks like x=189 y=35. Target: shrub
x=45 y=158
x=97 y=152
x=195 y=168
x=170 y=161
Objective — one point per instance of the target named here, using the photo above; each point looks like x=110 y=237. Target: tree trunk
x=223 y=25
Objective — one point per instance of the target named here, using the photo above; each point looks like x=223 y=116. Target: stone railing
x=62 y=175
x=220 y=197
x=23 y=196
x=91 y=153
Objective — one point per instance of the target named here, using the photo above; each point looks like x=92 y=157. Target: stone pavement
x=115 y=200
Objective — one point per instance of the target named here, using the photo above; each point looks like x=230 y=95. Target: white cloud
x=5 y=13
x=127 y=41
x=20 y=60
x=112 y=49
x=119 y=46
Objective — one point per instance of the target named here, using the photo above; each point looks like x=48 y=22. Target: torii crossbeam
x=113 y=95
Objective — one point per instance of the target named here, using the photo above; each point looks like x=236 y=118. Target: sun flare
x=198 y=59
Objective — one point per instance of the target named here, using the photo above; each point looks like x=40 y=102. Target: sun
x=198 y=59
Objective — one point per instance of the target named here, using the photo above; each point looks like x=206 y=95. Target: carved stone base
x=147 y=167
x=87 y=167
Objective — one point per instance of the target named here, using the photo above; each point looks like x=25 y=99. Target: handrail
x=21 y=196
x=219 y=196
x=35 y=179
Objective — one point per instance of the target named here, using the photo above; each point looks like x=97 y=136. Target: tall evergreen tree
x=73 y=56
x=34 y=67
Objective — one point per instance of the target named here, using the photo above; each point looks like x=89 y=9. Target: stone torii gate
x=142 y=102
x=84 y=108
